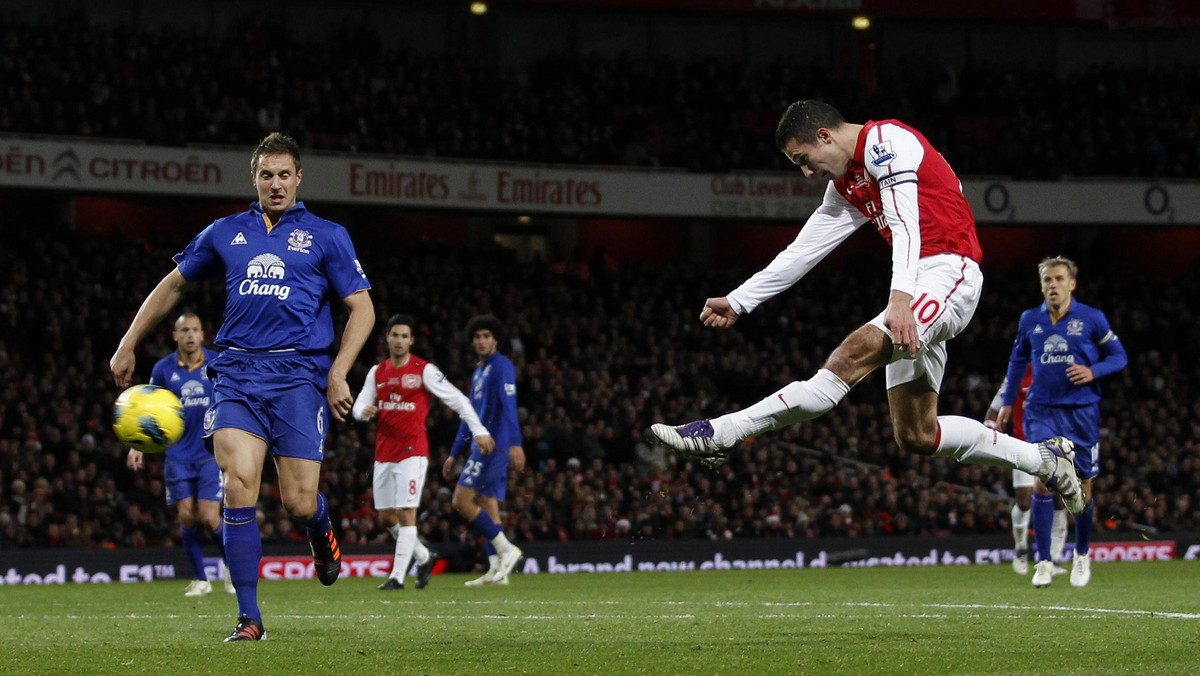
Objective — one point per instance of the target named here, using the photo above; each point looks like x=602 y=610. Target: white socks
x=493 y=562
x=796 y=402
x=1020 y=523
x=501 y=543
x=406 y=540
x=420 y=552
x=969 y=441
x=1058 y=535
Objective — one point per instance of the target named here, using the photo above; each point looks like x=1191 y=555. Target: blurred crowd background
x=602 y=350
x=348 y=92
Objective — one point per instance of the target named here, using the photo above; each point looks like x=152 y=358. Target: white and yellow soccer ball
x=148 y=418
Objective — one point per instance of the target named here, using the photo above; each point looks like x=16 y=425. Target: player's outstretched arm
x=156 y=306
x=364 y=404
x=719 y=313
x=358 y=328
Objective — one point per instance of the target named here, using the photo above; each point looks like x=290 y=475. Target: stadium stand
x=700 y=113
x=601 y=351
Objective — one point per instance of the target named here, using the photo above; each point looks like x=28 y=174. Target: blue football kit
x=494 y=396
x=1054 y=405
x=189 y=470
x=271 y=377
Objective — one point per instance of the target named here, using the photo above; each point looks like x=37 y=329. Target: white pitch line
x=1014 y=611
x=1098 y=611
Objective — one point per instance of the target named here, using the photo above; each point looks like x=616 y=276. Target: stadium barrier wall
x=80 y=566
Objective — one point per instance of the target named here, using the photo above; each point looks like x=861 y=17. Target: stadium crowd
x=350 y=93
x=601 y=350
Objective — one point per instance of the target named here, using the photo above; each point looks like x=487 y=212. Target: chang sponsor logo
x=1056 y=351
x=262 y=267
x=193 y=394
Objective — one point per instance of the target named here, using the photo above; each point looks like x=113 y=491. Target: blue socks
x=243 y=553
x=193 y=547
x=484 y=524
x=1083 y=528
x=1043 y=522
x=319 y=524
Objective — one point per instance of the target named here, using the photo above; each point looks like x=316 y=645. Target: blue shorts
x=200 y=480
x=1080 y=424
x=278 y=397
x=487 y=475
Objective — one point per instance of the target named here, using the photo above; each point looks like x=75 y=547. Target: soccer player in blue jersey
x=275 y=383
x=190 y=472
x=1071 y=346
x=484 y=479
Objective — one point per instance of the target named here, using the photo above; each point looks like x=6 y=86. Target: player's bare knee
x=916 y=441
x=300 y=506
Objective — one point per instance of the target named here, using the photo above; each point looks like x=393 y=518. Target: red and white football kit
x=401 y=394
x=907 y=190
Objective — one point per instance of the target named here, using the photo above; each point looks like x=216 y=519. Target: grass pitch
x=1134 y=618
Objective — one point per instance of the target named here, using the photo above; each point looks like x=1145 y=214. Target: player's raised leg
x=920 y=430
x=1051 y=461
x=863 y=351
x=241 y=456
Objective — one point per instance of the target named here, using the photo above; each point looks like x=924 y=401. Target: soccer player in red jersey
x=887 y=174
x=397 y=391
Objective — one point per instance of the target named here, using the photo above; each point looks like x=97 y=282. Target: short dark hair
x=398 y=319
x=484 y=323
x=187 y=314
x=802 y=120
x=275 y=143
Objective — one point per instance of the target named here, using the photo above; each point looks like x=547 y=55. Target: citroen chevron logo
x=65 y=164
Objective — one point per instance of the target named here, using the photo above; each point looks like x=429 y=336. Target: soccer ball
x=148 y=418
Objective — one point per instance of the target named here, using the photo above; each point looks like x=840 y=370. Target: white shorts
x=1022 y=479
x=398 y=485
x=948 y=289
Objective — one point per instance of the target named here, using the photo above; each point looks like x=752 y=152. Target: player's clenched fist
x=718 y=313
